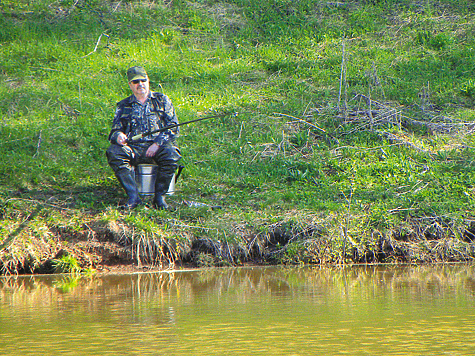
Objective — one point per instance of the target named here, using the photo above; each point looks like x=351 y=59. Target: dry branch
x=377 y=113
x=395 y=139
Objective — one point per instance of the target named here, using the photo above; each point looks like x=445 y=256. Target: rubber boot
x=161 y=188
x=127 y=180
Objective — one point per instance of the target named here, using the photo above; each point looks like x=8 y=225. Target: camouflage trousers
x=125 y=158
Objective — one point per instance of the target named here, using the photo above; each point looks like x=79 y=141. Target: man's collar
x=133 y=98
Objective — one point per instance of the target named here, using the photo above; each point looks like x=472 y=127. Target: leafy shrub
x=66 y=264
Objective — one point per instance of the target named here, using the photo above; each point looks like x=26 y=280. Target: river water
x=422 y=310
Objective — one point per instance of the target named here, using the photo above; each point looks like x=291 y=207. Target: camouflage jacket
x=133 y=118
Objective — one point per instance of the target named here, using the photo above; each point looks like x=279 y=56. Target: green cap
x=136 y=73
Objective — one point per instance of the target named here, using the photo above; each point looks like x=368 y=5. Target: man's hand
x=152 y=150
x=122 y=139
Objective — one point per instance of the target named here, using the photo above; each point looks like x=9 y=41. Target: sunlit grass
x=279 y=65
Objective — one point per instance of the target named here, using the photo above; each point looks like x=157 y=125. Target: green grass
x=271 y=61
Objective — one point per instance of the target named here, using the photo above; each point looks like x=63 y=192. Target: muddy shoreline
x=116 y=248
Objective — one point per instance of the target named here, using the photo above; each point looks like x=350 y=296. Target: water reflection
x=424 y=310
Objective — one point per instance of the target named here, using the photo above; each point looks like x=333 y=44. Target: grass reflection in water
x=425 y=310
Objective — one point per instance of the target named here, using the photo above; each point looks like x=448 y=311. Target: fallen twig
x=391 y=137
x=38 y=145
x=97 y=44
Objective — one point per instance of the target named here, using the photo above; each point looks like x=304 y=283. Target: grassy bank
x=353 y=141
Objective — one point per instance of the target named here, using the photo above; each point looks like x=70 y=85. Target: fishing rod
x=148 y=133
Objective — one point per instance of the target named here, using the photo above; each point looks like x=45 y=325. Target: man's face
x=139 y=87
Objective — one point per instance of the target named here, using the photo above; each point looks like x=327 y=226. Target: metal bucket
x=171 y=188
x=145 y=176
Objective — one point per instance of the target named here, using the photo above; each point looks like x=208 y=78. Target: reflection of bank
x=196 y=286
x=157 y=298
x=193 y=286
x=250 y=309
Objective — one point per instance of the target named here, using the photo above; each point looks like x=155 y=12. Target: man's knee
x=172 y=153
x=119 y=156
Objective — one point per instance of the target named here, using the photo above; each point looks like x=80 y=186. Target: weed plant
x=297 y=154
